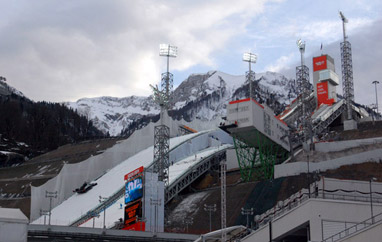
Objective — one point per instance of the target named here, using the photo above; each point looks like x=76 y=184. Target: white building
x=13 y=225
x=337 y=210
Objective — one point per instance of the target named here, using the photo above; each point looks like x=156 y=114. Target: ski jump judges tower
x=259 y=137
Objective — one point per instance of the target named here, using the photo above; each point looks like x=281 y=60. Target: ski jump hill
x=190 y=156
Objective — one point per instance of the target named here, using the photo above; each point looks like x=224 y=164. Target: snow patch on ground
x=188 y=207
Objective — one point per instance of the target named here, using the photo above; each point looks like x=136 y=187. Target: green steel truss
x=257 y=159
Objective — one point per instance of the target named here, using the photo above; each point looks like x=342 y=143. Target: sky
x=56 y=50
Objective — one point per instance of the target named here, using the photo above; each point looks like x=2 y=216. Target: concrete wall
x=296 y=168
x=232 y=162
x=13 y=225
x=342 y=145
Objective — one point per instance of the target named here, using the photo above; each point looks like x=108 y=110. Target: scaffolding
x=257 y=163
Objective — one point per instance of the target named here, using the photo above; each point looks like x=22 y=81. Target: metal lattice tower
x=302 y=79
x=223 y=169
x=162 y=132
x=347 y=70
x=250 y=75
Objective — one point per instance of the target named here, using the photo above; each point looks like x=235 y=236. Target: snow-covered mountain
x=200 y=96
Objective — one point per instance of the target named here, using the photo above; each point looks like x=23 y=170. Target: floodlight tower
x=250 y=75
x=347 y=69
x=376 y=94
x=162 y=97
x=302 y=79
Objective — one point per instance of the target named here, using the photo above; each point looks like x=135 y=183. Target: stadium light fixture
x=168 y=50
x=342 y=16
x=301 y=47
x=249 y=57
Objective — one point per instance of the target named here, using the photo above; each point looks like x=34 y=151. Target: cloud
x=281 y=63
x=64 y=50
x=58 y=51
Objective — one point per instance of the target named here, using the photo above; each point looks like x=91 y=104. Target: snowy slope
x=200 y=96
x=115 y=212
x=108 y=184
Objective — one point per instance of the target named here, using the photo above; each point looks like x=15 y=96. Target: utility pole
x=102 y=200
x=376 y=96
x=371 y=199
x=223 y=169
x=210 y=209
x=247 y=212
x=188 y=221
x=50 y=195
x=44 y=213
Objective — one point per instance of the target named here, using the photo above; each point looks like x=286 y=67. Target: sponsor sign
x=133 y=173
x=319 y=63
x=322 y=94
x=132 y=211
x=133 y=190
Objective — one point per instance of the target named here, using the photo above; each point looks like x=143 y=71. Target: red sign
x=138 y=226
x=134 y=173
x=323 y=94
x=133 y=211
x=319 y=63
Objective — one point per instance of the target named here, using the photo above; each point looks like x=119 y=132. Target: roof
x=13 y=215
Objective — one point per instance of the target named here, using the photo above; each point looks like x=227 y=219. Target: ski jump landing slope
x=185 y=152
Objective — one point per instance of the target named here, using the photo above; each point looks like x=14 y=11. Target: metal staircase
x=193 y=173
x=324 y=123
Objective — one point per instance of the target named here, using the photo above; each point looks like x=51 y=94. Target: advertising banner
x=133 y=190
x=132 y=212
x=323 y=94
x=133 y=173
x=319 y=63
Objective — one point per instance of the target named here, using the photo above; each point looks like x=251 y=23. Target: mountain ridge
x=203 y=96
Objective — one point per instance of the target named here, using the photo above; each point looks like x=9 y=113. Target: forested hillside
x=41 y=125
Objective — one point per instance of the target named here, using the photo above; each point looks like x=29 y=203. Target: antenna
x=250 y=58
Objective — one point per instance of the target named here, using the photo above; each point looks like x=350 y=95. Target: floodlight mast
x=168 y=51
x=301 y=47
x=344 y=20
x=376 y=94
x=347 y=69
x=302 y=78
x=250 y=58
x=162 y=132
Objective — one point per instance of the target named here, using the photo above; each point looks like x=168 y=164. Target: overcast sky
x=63 y=50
